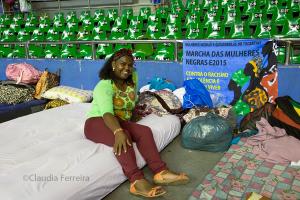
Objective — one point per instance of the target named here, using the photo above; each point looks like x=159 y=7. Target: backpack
x=12 y=93
x=22 y=73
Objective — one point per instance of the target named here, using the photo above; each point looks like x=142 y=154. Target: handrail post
x=2 y=7
x=89 y=1
x=94 y=50
x=27 y=49
x=176 y=51
x=59 y=6
x=287 y=53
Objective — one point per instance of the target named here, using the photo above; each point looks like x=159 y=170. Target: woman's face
x=123 y=67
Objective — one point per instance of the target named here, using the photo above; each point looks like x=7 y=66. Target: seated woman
x=109 y=123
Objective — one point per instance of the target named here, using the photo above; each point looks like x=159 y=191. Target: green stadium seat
x=112 y=15
x=58 y=17
x=180 y=55
x=231 y=16
x=154 y=19
x=69 y=51
x=154 y=32
x=256 y=18
x=165 y=51
x=98 y=34
x=270 y=7
x=88 y=24
x=136 y=22
x=176 y=9
x=143 y=50
x=18 y=18
x=211 y=16
x=240 y=30
x=5 y=20
x=15 y=27
x=52 y=35
x=172 y=32
x=250 y=7
x=281 y=54
x=99 y=15
x=264 y=30
x=122 y=46
x=291 y=29
x=190 y=4
x=243 y=3
x=134 y=34
x=174 y=19
x=71 y=17
x=8 y=35
x=72 y=26
x=84 y=35
x=68 y=35
x=294 y=6
x=44 y=18
x=121 y=22
x=197 y=10
x=52 y=51
x=44 y=27
x=127 y=13
x=23 y=36
x=31 y=25
x=85 y=51
x=104 y=24
x=163 y=12
x=104 y=50
x=85 y=15
x=215 y=30
x=117 y=33
x=191 y=18
x=280 y=15
x=17 y=52
x=5 y=50
x=295 y=55
x=37 y=35
x=36 y=51
x=144 y=13
x=194 y=31
x=59 y=26
x=205 y=4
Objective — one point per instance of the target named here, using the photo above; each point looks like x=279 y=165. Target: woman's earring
x=113 y=69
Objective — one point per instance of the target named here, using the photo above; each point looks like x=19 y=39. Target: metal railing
x=286 y=42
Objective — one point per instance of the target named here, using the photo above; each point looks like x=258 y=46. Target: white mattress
x=44 y=156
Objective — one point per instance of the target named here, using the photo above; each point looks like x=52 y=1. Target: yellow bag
x=47 y=81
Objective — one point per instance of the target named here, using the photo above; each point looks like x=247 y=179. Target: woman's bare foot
x=144 y=188
x=167 y=177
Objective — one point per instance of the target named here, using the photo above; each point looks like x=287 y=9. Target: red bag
x=23 y=73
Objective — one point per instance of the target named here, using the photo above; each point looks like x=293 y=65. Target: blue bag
x=160 y=84
x=207 y=133
x=196 y=94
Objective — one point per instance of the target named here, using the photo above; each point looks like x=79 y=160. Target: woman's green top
x=107 y=98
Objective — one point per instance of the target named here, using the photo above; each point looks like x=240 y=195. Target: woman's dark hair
x=107 y=73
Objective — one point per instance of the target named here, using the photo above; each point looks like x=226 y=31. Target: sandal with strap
x=151 y=194
x=181 y=179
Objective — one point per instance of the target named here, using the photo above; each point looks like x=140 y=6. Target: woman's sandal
x=181 y=179
x=151 y=194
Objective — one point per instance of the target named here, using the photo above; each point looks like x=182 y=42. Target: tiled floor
x=195 y=163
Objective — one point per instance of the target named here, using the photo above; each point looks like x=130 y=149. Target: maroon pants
x=96 y=130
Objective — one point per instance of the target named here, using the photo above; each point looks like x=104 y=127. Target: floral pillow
x=69 y=94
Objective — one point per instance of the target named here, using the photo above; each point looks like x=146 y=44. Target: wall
x=84 y=73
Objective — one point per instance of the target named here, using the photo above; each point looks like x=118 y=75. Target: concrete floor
x=195 y=163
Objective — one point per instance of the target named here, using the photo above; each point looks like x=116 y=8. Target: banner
x=242 y=73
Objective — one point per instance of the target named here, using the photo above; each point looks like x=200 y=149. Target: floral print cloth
x=124 y=102
x=241 y=172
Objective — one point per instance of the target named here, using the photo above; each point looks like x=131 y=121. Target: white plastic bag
x=25 y=6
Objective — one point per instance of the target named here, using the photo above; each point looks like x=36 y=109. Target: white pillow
x=69 y=94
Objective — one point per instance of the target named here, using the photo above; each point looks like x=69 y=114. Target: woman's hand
x=121 y=141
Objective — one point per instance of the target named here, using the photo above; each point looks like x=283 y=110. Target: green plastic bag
x=207 y=133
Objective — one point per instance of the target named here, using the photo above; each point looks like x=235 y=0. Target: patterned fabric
x=14 y=94
x=55 y=103
x=148 y=103
x=124 y=102
x=69 y=94
x=47 y=81
x=196 y=112
x=240 y=172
